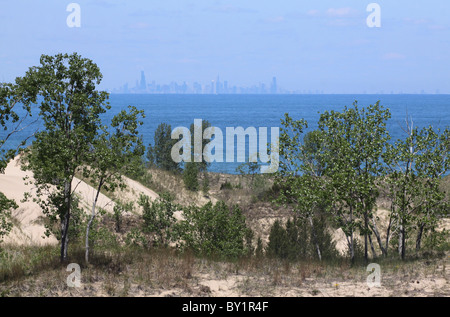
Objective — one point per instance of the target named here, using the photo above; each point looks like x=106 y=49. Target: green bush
x=259 y=251
x=277 y=246
x=136 y=238
x=226 y=185
x=190 y=177
x=6 y=205
x=158 y=218
x=437 y=241
x=205 y=184
x=159 y=154
x=295 y=240
x=214 y=230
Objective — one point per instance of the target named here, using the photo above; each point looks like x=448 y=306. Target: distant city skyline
x=224 y=87
x=216 y=86
x=309 y=46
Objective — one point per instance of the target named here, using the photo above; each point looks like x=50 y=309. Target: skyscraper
x=273 y=86
x=143 y=85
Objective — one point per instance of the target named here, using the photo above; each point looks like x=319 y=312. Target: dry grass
x=138 y=272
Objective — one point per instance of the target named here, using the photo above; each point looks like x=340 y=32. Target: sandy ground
x=29 y=214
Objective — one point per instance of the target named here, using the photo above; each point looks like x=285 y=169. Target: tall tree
x=203 y=165
x=112 y=154
x=15 y=110
x=15 y=113
x=70 y=108
x=159 y=154
x=301 y=174
x=6 y=205
x=416 y=165
x=355 y=141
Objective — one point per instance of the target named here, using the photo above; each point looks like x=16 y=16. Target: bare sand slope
x=29 y=227
x=133 y=190
x=87 y=195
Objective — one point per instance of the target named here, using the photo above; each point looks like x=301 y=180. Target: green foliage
x=251 y=170
x=116 y=150
x=278 y=244
x=339 y=165
x=226 y=185
x=340 y=168
x=113 y=154
x=295 y=240
x=119 y=208
x=78 y=221
x=101 y=238
x=159 y=218
x=6 y=205
x=190 y=176
x=259 y=251
x=136 y=238
x=159 y=154
x=201 y=166
x=416 y=166
x=437 y=240
x=248 y=168
x=205 y=184
x=13 y=96
x=355 y=141
x=214 y=230
x=70 y=109
x=249 y=235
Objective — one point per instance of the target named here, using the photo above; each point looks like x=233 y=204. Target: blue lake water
x=266 y=111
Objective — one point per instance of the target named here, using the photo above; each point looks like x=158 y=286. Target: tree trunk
x=378 y=237
x=372 y=247
x=402 y=242
x=93 y=214
x=366 y=247
x=419 y=236
x=352 y=249
x=313 y=231
x=352 y=244
x=388 y=231
x=66 y=220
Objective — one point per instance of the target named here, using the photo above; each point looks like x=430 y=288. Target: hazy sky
x=308 y=45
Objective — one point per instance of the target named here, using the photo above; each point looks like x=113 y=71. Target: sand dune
x=29 y=227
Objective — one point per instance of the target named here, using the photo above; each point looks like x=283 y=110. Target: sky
x=323 y=45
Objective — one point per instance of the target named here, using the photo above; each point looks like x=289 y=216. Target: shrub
x=5 y=215
x=259 y=251
x=214 y=230
x=136 y=238
x=190 y=177
x=437 y=241
x=205 y=184
x=226 y=185
x=119 y=208
x=277 y=246
x=158 y=218
x=295 y=240
x=159 y=154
